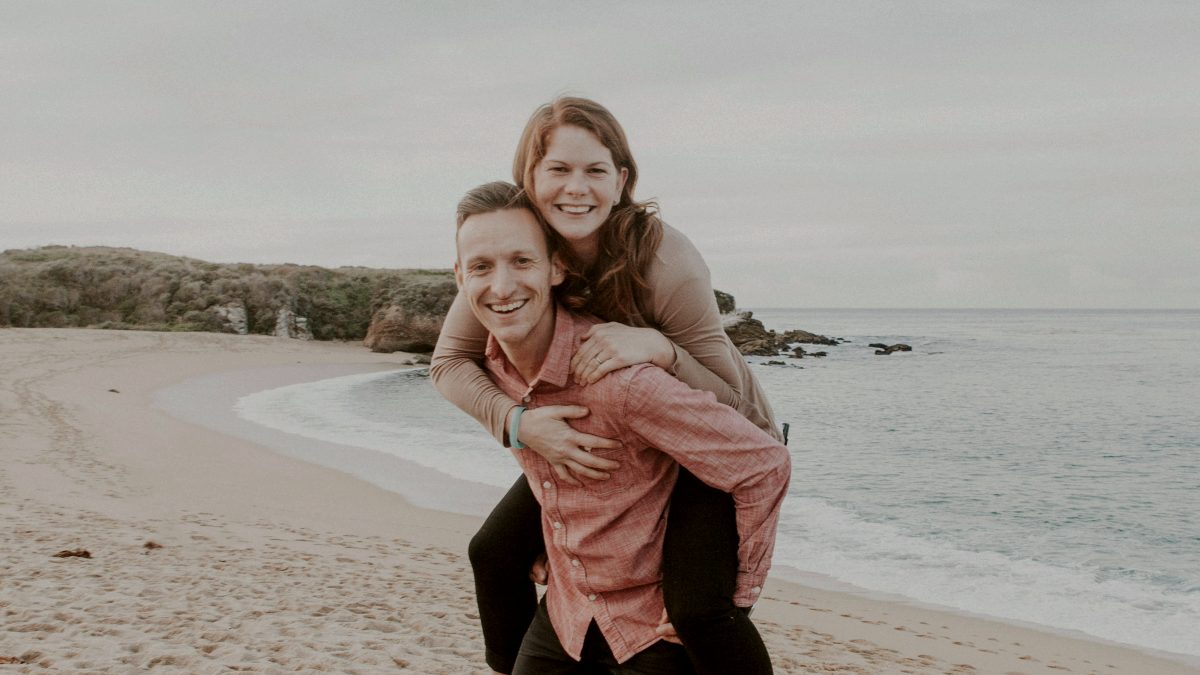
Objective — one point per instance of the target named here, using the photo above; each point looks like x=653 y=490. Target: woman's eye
x=599 y=171
x=558 y=169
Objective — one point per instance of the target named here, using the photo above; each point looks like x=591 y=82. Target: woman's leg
x=501 y=554
x=699 y=573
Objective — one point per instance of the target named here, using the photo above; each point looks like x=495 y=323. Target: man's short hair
x=490 y=197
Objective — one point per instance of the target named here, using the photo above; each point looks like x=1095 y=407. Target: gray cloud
x=832 y=154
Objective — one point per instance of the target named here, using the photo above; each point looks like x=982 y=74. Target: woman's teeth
x=575 y=210
x=510 y=307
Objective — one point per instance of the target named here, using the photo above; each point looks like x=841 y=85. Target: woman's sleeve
x=458 y=375
x=685 y=310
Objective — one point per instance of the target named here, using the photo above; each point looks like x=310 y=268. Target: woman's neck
x=586 y=251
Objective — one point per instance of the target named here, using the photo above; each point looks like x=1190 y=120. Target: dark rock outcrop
x=749 y=335
x=752 y=338
x=725 y=303
x=884 y=350
x=409 y=316
x=807 y=338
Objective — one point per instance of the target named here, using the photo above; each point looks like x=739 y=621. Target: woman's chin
x=577 y=232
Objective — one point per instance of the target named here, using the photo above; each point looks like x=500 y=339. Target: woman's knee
x=698 y=608
x=487 y=549
x=504 y=551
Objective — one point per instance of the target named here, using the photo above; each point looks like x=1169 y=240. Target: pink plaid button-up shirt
x=604 y=540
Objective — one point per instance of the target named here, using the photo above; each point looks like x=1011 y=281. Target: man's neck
x=527 y=356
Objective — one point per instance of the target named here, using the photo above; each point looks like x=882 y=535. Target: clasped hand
x=610 y=346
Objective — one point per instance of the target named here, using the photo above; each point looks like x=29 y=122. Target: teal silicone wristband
x=514 y=423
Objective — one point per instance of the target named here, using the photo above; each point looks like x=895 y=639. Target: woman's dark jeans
x=699 y=573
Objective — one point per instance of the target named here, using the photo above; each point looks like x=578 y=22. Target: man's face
x=507 y=276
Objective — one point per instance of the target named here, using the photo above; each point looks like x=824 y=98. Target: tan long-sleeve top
x=681 y=306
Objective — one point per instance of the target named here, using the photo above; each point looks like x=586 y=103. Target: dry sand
x=211 y=554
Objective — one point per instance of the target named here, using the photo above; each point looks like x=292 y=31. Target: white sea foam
x=329 y=410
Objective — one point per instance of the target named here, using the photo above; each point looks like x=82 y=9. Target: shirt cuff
x=748 y=589
x=675 y=362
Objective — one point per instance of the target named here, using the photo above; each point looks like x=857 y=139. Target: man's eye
x=479 y=268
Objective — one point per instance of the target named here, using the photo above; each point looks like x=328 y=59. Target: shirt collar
x=556 y=368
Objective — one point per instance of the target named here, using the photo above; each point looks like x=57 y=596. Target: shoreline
x=269 y=561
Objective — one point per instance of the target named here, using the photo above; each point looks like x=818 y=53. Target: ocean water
x=1032 y=465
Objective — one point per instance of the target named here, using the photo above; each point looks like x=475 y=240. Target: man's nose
x=503 y=282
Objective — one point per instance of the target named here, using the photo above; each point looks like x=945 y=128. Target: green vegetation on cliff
x=102 y=287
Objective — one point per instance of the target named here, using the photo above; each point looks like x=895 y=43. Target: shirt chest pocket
x=618 y=479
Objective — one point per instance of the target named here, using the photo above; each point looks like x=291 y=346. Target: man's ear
x=457 y=275
x=558 y=272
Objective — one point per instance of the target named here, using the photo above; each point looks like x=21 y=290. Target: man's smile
x=508 y=308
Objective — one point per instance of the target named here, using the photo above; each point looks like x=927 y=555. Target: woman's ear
x=558 y=272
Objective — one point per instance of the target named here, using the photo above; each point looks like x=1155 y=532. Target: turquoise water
x=1042 y=466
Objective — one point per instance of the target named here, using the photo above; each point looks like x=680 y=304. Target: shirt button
x=524 y=399
x=756 y=590
x=557 y=525
x=592 y=597
x=547 y=484
x=574 y=563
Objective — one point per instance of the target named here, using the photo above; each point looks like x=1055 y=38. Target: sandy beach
x=209 y=553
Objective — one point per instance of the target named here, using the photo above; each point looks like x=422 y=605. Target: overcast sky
x=832 y=154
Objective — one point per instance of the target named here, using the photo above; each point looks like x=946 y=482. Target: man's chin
x=509 y=335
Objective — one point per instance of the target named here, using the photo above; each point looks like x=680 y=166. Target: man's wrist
x=514 y=426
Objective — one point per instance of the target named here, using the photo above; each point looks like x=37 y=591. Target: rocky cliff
x=104 y=287
x=390 y=310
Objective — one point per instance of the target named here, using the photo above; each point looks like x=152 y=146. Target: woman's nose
x=575 y=183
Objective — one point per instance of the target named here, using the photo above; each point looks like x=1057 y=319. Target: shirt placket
x=552 y=508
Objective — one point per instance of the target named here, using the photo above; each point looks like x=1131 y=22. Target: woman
x=651 y=284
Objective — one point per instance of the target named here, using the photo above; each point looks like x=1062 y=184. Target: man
x=604 y=538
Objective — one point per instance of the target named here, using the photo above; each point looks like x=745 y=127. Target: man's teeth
x=504 y=309
x=575 y=210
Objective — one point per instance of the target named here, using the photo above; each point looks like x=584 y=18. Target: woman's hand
x=539 y=573
x=545 y=431
x=609 y=346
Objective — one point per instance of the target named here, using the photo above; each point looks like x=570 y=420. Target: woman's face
x=576 y=185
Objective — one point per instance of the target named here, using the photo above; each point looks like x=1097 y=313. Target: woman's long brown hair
x=615 y=284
